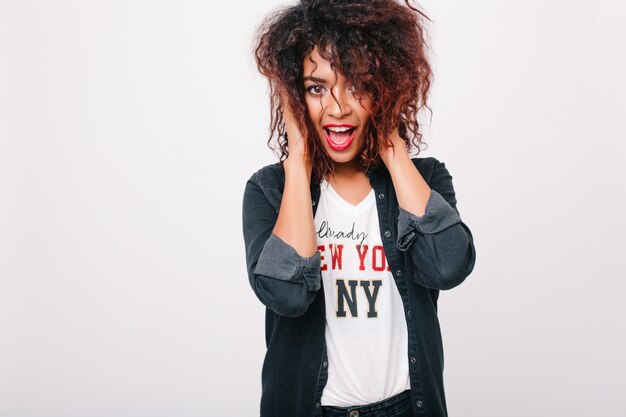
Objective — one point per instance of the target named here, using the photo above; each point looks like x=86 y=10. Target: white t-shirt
x=366 y=330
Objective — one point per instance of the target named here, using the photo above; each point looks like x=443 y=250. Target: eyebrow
x=312 y=78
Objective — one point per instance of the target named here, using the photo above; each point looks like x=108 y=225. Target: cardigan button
x=318 y=405
x=413 y=360
x=419 y=404
x=398 y=273
x=381 y=196
x=324 y=364
x=387 y=233
x=354 y=413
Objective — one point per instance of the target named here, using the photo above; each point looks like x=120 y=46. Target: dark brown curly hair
x=378 y=45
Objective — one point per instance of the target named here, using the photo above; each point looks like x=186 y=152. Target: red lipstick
x=343 y=145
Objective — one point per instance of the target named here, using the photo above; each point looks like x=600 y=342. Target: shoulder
x=269 y=177
x=264 y=188
x=426 y=164
x=430 y=168
x=438 y=178
x=272 y=176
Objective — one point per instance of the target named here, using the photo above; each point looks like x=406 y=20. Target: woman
x=349 y=239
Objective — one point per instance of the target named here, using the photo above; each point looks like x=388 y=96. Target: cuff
x=280 y=260
x=439 y=216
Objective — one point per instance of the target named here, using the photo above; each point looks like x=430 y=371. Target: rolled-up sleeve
x=282 y=280
x=280 y=260
x=439 y=215
x=439 y=243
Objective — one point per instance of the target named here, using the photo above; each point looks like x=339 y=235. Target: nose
x=339 y=105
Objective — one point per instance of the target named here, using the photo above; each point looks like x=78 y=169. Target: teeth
x=339 y=129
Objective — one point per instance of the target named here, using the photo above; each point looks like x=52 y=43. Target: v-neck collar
x=326 y=187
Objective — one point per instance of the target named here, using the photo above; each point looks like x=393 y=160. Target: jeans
x=396 y=406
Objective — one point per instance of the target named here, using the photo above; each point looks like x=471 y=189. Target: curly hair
x=378 y=45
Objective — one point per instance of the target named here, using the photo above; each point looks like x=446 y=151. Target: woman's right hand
x=296 y=140
x=295 y=223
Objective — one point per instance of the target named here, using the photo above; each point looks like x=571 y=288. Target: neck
x=346 y=169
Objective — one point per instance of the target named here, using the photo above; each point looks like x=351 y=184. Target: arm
x=281 y=251
x=295 y=224
x=440 y=245
x=284 y=281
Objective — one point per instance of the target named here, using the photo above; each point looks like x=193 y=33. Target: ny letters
x=370 y=288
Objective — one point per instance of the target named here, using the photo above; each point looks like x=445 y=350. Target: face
x=341 y=121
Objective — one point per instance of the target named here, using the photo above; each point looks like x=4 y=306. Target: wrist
x=397 y=161
x=395 y=154
x=298 y=163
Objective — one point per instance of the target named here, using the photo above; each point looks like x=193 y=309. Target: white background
x=129 y=128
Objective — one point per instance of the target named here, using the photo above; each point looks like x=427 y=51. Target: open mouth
x=340 y=140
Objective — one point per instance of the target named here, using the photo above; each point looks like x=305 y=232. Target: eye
x=359 y=93
x=314 y=89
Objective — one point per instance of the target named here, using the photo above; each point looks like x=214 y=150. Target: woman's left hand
x=412 y=191
x=399 y=150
